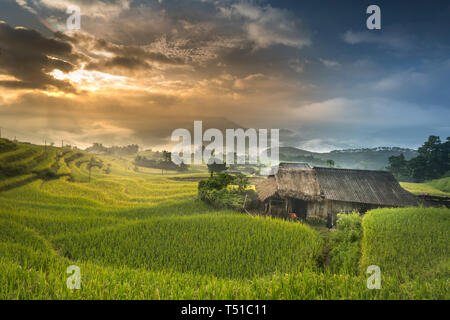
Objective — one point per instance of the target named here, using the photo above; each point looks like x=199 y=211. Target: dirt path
x=325 y=233
x=326 y=257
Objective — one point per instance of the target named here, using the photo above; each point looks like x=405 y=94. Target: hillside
x=143 y=235
x=438 y=187
x=441 y=184
x=371 y=159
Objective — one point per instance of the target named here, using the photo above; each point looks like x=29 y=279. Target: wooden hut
x=324 y=192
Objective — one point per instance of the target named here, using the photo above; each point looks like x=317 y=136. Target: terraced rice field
x=143 y=235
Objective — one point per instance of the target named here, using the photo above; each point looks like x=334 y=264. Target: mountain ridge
x=361 y=158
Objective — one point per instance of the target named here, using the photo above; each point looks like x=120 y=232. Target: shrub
x=345 y=247
x=215 y=191
x=6 y=145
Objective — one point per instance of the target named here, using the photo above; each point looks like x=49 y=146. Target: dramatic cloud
x=94 y=8
x=139 y=69
x=30 y=57
x=104 y=55
x=267 y=26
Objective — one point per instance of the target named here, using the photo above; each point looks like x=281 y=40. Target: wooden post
x=287 y=206
x=245 y=200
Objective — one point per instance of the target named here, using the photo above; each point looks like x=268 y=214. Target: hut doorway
x=300 y=208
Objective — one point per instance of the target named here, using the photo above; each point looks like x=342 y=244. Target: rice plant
x=143 y=235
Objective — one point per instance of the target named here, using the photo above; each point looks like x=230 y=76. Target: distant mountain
x=100 y=149
x=370 y=159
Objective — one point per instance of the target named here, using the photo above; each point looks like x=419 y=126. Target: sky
x=137 y=70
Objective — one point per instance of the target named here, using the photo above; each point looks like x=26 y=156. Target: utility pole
x=62 y=143
x=0 y=132
x=45 y=146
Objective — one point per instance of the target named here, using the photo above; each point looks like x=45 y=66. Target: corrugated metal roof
x=287 y=165
x=361 y=186
x=294 y=165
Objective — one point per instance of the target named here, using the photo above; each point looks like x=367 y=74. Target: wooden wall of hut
x=326 y=210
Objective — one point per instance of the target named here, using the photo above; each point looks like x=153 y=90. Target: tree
x=242 y=182
x=166 y=163
x=167 y=156
x=330 y=163
x=92 y=163
x=432 y=161
x=215 y=165
x=399 y=167
x=183 y=166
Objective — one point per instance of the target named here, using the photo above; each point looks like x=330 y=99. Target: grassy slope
x=439 y=187
x=441 y=184
x=142 y=235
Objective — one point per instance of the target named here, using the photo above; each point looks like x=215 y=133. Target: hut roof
x=361 y=186
x=300 y=184
x=293 y=165
x=285 y=165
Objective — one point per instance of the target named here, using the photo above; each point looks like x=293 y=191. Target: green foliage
x=398 y=165
x=215 y=191
x=345 y=248
x=165 y=164
x=7 y=145
x=242 y=182
x=441 y=184
x=217 y=166
x=219 y=181
x=330 y=163
x=433 y=162
x=316 y=222
x=349 y=222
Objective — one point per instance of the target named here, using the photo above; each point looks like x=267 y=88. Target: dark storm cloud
x=29 y=56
